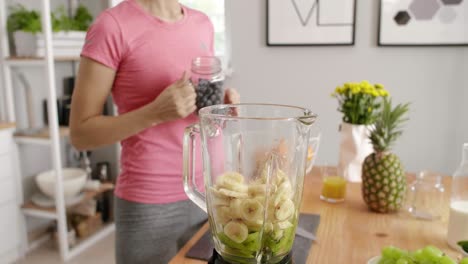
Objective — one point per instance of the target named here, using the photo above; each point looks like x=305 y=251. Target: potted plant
x=359 y=103
x=24 y=28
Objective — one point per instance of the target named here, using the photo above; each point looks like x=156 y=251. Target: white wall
x=431 y=79
x=462 y=130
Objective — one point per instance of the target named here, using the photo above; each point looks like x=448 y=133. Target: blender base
x=217 y=259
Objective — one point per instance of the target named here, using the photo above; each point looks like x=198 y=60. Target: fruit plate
x=374 y=260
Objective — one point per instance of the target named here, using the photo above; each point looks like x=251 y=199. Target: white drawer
x=7 y=191
x=9 y=236
x=6 y=167
x=6 y=140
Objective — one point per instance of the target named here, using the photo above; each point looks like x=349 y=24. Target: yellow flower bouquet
x=359 y=101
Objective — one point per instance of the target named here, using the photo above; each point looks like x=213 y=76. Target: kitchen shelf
x=48 y=63
x=32 y=209
x=7 y=125
x=84 y=243
x=36 y=61
x=42 y=137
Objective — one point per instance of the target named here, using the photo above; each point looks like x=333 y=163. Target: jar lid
x=206 y=65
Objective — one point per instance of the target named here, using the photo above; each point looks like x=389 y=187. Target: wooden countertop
x=350 y=233
x=5 y=125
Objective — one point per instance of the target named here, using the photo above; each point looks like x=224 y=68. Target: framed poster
x=423 y=23
x=310 y=22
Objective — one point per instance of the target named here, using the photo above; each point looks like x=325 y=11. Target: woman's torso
x=152 y=55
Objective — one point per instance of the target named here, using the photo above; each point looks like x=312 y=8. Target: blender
x=254 y=162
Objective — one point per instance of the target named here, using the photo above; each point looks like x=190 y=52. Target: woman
x=141 y=51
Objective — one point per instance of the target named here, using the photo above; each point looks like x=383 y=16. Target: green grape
x=407 y=259
x=418 y=255
x=402 y=261
x=446 y=260
x=393 y=253
x=387 y=252
x=433 y=253
x=426 y=255
x=386 y=261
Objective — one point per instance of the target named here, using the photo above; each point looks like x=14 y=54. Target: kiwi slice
x=285 y=242
x=229 y=242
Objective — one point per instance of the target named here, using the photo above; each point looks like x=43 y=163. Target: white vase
x=355 y=146
x=25 y=44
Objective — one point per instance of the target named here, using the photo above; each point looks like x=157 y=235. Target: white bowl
x=374 y=260
x=74 y=181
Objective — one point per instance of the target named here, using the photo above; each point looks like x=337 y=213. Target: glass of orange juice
x=334 y=185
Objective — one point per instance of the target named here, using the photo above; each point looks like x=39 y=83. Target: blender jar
x=254 y=158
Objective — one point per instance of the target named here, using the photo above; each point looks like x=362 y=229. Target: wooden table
x=350 y=234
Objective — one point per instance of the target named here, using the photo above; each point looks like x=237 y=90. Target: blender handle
x=190 y=187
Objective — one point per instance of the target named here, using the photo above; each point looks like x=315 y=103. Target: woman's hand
x=231 y=96
x=175 y=102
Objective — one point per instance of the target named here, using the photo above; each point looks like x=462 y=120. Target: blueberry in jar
x=208 y=80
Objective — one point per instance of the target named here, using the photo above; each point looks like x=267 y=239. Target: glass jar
x=208 y=80
x=458 y=219
x=426 y=196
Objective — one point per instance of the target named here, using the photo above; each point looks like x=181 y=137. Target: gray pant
x=153 y=233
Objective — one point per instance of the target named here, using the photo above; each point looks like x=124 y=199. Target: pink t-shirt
x=148 y=55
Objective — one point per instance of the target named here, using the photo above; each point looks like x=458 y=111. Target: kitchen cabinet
x=10 y=198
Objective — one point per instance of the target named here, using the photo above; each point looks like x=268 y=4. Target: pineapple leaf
x=388 y=125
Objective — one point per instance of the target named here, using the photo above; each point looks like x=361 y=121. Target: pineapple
x=383 y=176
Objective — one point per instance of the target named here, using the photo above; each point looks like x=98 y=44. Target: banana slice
x=281 y=177
x=222 y=214
x=232 y=176
x=252 y=210
x=236 y=208
x=260 y=199
x=233 y=194
x=257 y=190
x=268 y=227
x=284 y=210
x=237 y=187
x=285 y=187
x=271 y=212
x=282 y=225
x=262 y=177
x=236 y=231
x=232 y=181
x=277 y=179
x=254 y=225
x=284 y=192
x=273 y=188
x=278 y=198
x=258 y=181
x=277 y=234
x=218 y=199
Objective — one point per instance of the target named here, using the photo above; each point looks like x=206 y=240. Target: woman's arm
x=90 y=129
